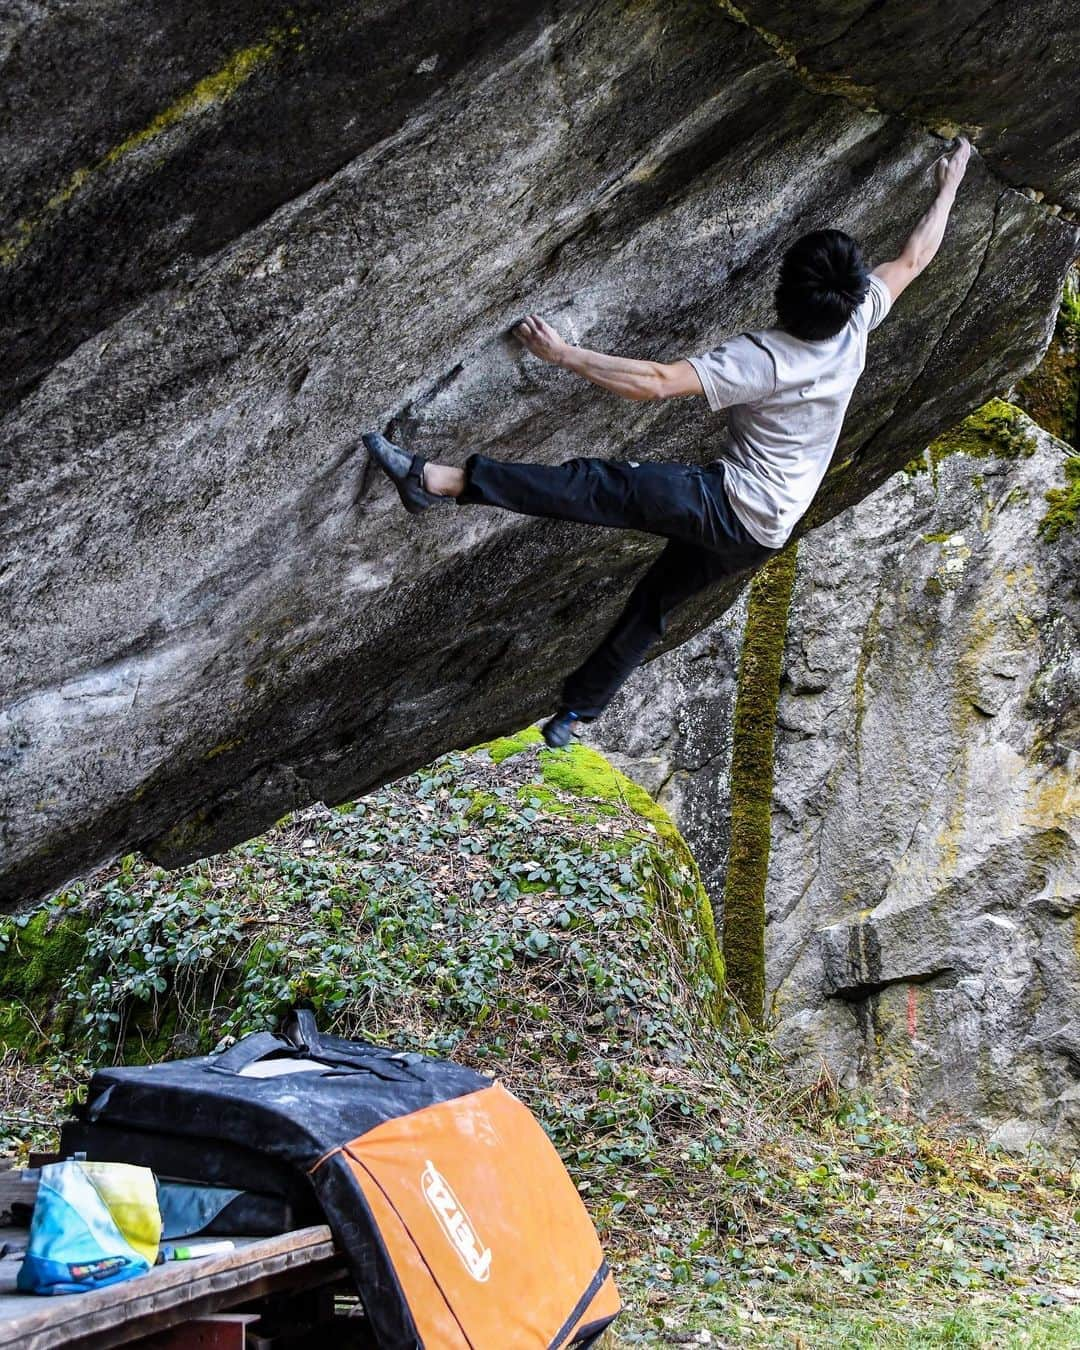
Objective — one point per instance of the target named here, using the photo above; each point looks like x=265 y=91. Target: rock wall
x=238 y=239
x=960 y=64
x=923 y=898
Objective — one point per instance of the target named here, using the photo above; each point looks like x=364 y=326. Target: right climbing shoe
x=404 y=470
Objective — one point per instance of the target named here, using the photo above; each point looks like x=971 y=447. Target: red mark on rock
x=911 y=1011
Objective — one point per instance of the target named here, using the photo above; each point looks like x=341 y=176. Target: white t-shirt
x=786 y=398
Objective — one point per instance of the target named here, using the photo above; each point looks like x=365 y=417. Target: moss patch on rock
x=1064 y=502
x=752 y=781
x=1051 y=392
x=996 y=430
x=38 y=952
x=585 y=774
x=494 y=891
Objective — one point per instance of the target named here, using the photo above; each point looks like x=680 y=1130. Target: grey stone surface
x=966 y=64
x=241 y=240
x=923 y=903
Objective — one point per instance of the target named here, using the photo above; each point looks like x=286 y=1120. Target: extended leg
x=678 y=572
x=678 y=501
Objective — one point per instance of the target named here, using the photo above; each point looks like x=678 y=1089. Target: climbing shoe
x=558 y=730
x=404 y=470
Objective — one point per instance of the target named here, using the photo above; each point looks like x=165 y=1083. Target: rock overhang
x=214 y=613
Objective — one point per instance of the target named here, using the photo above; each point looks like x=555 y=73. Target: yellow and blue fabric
x=94 y=1224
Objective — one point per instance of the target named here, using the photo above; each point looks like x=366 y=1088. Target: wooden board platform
x=165 y=1296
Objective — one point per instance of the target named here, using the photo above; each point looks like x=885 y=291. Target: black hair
x=823 y=280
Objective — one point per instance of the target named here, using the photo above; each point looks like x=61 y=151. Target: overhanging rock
x=1005 y=73
x=291 y=227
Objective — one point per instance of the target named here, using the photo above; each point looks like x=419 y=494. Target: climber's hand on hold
x=622 y=375
x=541 y=339
x=949 y=169
x=925 y=239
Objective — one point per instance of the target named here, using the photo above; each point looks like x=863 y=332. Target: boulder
x=238 y=241
x=924 y=874
x=965 y=65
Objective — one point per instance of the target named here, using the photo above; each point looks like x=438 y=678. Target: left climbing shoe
x=558 y=730
x=404 y=470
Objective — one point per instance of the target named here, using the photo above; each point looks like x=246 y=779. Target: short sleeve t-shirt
x=786 y=399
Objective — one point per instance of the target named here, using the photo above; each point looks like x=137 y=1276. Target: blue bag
x=94 y=1224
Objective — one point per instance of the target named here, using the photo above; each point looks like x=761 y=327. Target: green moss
x=223 y=747
x=586 y=773
x=916 y=466
x=1064 y=512
x=553 y=804
x=935 y=586
x=583 y=772
x=187 y=836
x=38 y=954
x=1069 y=312
x=480 y=803
x=996 y=430
x=149 y=1038
x=17 y=1031
x=505 y=746
x=752 y=780
x=1017 y=496
x=1051 y=392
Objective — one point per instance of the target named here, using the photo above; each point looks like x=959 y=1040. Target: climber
x=787 y=389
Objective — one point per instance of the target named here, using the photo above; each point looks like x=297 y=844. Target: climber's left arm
x=622 y=375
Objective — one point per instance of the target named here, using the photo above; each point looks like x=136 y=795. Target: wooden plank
x=223 y=1331
x=169 y=1294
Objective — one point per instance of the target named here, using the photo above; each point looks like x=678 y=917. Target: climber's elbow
x=675 y=380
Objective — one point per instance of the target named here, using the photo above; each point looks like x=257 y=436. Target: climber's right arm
x=622 y=375
x=925 y=239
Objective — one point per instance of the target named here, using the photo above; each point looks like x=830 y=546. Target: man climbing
x=786 y=388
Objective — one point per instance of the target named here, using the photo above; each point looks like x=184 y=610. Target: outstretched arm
x=925 y=239
x=621 y=374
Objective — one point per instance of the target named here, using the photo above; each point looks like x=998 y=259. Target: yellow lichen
x=838 y=84
x=212 y=90
x=224 y=747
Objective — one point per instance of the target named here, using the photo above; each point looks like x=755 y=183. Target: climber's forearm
x=925 y=239
x=622 y=375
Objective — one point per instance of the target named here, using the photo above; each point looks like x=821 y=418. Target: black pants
x=686 y=504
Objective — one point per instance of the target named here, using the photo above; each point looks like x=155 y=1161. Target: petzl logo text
x=455 y=1223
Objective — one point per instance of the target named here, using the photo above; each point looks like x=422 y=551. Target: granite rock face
x=923 y=903
x=967 y=64
x=244 y=238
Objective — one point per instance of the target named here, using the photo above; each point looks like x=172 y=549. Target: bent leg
x=674 y=500
x=677 y=573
